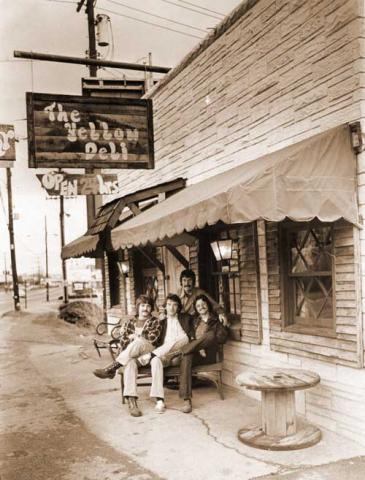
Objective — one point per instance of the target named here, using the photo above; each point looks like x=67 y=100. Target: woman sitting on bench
x=208 y=334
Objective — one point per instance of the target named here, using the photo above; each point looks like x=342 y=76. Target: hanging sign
x=7 y=146
x=69 y=185
x=67 y=131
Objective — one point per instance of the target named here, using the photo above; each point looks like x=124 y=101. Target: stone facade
x=270 y=76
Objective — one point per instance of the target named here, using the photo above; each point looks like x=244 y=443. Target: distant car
x=82 y=290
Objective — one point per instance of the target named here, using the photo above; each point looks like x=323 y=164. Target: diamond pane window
x=309 y=275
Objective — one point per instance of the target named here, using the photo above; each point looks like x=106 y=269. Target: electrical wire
x=3 y=204
x=149 y=23
x=116 y=2
x=14 y=61
x=202 y=8
x=191 y=9
x=62 y=1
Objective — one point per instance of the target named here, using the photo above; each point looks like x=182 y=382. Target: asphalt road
x=41 y=438
x=35 y=298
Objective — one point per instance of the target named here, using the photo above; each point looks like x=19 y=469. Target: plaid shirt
x=151 y=331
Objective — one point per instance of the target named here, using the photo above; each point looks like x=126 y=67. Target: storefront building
x=263 y=121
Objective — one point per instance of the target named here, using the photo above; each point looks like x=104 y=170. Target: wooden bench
x=214 y=370
x=112 y=345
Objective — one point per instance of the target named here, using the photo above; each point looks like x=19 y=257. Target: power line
x=156 y=16
x=62 y=1
x=149 y=23
x=191 y=9
x=2 y=203
x=202 y=8
x=14 y=61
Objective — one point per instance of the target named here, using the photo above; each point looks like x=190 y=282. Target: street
x=58 y=421
x=41 y=438
x=35 y=297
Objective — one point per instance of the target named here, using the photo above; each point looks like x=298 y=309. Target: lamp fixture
x=356 y=137
x=222 y=249
x=123 y=267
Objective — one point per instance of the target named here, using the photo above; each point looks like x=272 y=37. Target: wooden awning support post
x=179 y=257
x=153 y=259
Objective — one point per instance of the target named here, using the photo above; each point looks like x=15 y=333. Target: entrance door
x=150 y=283
x=145 y=274
x=114 y=280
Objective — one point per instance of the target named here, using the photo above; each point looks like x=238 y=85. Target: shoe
x=187 y=407
x=160 y=406
x=107 y=372
x=133 y=407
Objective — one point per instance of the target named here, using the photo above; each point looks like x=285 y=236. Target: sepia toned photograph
x=182 y=247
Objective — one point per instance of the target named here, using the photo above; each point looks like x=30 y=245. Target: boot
x=187 y=407
x=108 y=371
x=133 y=407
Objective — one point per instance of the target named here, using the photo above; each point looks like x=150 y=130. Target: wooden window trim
x=287 y=303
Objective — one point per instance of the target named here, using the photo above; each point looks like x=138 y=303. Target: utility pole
x=64 y=270
x=5 y=274
x=92 y=38
x=93 y=202
x=46 y=244
x=12 y=242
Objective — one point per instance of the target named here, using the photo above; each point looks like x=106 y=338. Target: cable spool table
x=279 y=424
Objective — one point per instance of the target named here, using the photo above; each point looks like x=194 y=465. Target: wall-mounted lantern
x=123 y=268
x=222 y=250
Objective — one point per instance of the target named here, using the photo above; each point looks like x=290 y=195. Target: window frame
x=288 y=306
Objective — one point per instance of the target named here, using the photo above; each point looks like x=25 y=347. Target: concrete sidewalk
x=174 y=445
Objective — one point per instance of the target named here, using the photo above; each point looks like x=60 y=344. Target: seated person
x=189 y=292
x=208 y=334
x=174 y=333
x=138 y=336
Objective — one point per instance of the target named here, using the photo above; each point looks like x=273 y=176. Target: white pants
x=135 y=349
x=131 y=374
x=157 y=366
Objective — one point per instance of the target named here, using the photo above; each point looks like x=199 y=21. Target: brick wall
x=282 y=72
x=251 y=325
x=106 y=279
x=193 y=260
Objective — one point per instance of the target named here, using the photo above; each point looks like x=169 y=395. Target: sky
x=54 y=26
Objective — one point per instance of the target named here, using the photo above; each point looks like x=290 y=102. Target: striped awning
x=84 y=246
x=314 y=178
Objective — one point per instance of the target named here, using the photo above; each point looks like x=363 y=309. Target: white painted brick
x=275 y=77
x=295 y=361
x=326 y=371
x=351 y=376
x=316 y=417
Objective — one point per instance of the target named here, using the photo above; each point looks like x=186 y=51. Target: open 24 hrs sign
x=69 y=185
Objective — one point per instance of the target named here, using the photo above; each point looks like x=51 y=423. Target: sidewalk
x=174 y=445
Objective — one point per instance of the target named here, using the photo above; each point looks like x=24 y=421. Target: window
x=308 y=277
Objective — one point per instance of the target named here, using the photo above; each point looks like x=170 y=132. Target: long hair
x=174 y=298
x=206 y=300
x=143 y=299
